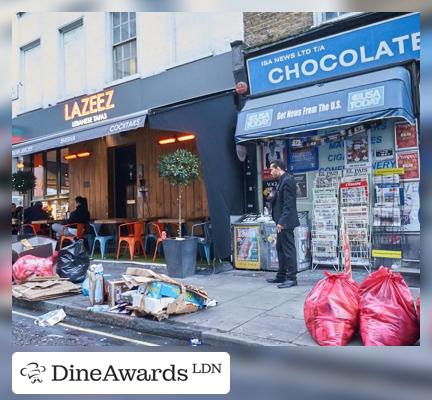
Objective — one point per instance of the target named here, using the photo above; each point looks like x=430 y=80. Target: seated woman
x=80 y=215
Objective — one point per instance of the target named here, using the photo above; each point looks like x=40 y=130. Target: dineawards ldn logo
x=121 y=373
x=33 y=371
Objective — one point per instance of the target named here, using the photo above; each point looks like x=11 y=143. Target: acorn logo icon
x=33 y=371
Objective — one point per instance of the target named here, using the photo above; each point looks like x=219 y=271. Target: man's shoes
x=287 y=284
x=275 y=280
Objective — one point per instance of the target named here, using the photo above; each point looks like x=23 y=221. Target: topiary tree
x=22 y=182
x=179 y=168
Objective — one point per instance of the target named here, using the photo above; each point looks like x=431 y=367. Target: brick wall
x=267 y=27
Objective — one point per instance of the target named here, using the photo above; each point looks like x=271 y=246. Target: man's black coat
x=284 y=206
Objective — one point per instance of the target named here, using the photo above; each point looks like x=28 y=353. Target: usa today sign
x=384 y=43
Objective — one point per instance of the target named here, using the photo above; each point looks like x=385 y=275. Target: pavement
x=250 y=311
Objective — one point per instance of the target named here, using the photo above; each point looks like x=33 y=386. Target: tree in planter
x=179 y=168
x=22 y=182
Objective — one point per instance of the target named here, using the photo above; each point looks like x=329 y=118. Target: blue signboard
x=355 y=100
x=302 y=160
x=383 y=43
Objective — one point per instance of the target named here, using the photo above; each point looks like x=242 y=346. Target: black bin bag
x=73 y=262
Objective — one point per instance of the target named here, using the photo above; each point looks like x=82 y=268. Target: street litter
x=51 y=318
x=39 y=246
x=331 y=310
x=45 y=289
x=147 y=293
x=73 y=262
x=99 y=308
x=387 y=312
x=29 y=266
x=195 y=342
x=96 y=284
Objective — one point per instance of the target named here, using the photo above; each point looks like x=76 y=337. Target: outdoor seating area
x=124 y=238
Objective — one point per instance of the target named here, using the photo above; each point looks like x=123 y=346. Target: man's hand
x=279 y=228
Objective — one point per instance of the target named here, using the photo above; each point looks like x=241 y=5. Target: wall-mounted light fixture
x=166 y=141
x=183 y=138
x=81 y=154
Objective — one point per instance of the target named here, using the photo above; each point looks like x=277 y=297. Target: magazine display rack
x=325 y=220
x=355 y=212
x=387 y=211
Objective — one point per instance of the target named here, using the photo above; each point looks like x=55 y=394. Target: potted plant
x=179 y=169
x=22 y=182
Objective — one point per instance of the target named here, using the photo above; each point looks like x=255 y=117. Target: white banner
x=121 y=373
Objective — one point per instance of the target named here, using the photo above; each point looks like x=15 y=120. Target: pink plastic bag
x=331 y=310
x=387 y=313
x=418 y=309
x=29 y=265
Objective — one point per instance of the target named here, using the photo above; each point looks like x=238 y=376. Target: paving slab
x=223 y=318
x=273 y=327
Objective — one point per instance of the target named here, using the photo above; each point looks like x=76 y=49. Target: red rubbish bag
x=387 y=313
x=418 y=309
x=29 y=265
x=331 y=310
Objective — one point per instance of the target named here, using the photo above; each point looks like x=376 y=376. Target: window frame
x=113 y=45
x=70 y=26
x=318 y=17
x=45 y=196
x=22 y=94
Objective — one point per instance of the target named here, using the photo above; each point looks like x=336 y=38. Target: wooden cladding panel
x=162 y=198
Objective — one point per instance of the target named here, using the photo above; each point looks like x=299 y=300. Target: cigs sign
x=89 y=109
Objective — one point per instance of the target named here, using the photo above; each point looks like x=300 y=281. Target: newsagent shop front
x=349 y=134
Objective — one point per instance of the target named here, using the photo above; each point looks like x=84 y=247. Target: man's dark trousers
x=287 y=255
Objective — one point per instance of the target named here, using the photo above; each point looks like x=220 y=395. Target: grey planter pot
x=180 y=256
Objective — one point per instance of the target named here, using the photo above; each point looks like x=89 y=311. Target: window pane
x=132 y=16
x=39 y=173
x=126 y=51
x=124 y=17
x=116 y=19
x=116 y=35
x=51 y=170
x=73 y=52
x=132 y=27
x=126 y=68
x=133 y=66
x=117 y=53
x=118 y=70
x=133 y=48
x=64 y=172
x=124 y=32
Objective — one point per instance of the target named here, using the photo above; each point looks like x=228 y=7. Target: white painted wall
x=157 y=47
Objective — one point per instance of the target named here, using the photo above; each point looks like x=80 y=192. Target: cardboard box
x=115 y=289
x=38 y=246
x=44 y=290
x=160 y=290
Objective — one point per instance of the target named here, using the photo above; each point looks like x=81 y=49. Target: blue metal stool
x=101 y=239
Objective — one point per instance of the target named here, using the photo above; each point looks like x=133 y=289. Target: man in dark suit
x=284 y=213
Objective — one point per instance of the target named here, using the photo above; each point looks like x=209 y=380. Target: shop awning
x=66 y=138
x=354 y=100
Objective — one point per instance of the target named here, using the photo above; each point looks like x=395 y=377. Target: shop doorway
x=122 y=182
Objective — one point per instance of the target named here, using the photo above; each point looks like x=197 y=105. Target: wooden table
x=48 y=221
x=115 y=220
x=169 y=221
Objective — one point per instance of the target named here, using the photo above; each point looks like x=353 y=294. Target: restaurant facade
x=340 y=105
x=105 y=146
